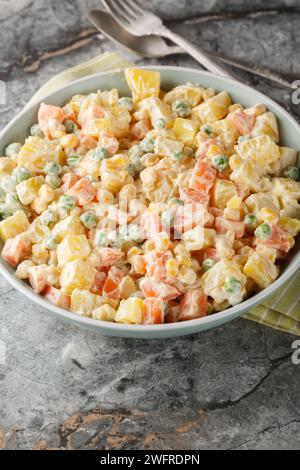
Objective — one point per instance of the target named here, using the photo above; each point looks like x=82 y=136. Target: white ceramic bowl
x=18 y=130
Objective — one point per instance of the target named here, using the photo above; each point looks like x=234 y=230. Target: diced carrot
x=110 y=256
x=223 y=225
x=15 y=250
x=151 y=288
x=202 y=178
x=193 y=305
x=190 y=195
x=140 y=129
x=156 y=264
x=278 y=239
x=83 y=191
x=190 y=215
x=47 y=112
x=94 y=111
x=111 y=285
x=98 y=283
x=173 y=312
x=68 y=180
x=243 y=122
x=153 y=311
x=57 y=297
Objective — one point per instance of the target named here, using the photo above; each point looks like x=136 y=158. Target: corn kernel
x=172 y=266
x=148 y=246
x=269 y=215
x=133 y=252
x=187 y=275
x=162 y=242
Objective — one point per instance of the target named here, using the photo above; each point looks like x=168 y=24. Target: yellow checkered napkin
x=282 y=310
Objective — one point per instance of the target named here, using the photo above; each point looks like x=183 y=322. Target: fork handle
x=199 y=55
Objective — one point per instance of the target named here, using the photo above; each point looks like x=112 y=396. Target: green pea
x=136 y=164
x=12 y=199
x=207 y=129
x=114 y=239
x=207 y=264
x=160 y=124
x=48 y=217
x=73 y=159
x=5 y=211
x=135 y=151
x=12 y=149
x=126 y=102
x=67 y=202
x=181 y=108
x=131 y=170
x=88 y=219
x=263 y=231
x=220 y=162
x=53 y=180
x=232 y=285
x=177 y=155
x=52 y=168
x=70 y=126
x=131 y=232
x=291 y=172
x=250 y=220
x=101 y=238
x=36 y=131
x=21 y=174
x=51 y=242
x=9 y=184
x=99 y=154
x=147 y=144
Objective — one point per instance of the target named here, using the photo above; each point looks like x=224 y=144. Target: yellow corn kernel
x=105 y=312
x=185 y=130
x=213 y=150
x=235 y=203
x=269 y=215
x=13 y=225
x=133 y=252
x=127 y=287
x=73 y=247
x=96 y=126
x=199 y=238
x=187 y=275
x=172 y=267
x=262 y=270
x=83 y=302
x=149 y=159
x=27 y=191
x=40 y=254
x=162 y=242
x=143 y=83
x=130 y=311
x=116 y=163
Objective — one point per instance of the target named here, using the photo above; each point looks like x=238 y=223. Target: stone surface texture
x=61 y=387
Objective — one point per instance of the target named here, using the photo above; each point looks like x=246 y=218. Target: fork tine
x=135 y=6
x=119 y=16
x=125 y=6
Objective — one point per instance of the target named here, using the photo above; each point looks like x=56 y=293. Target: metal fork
x=140 y=22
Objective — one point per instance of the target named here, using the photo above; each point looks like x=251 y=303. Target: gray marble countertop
x=62 y=387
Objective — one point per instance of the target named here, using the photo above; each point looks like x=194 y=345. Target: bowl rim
x=145 y=331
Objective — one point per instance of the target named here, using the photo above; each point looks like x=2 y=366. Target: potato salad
x=158 y=207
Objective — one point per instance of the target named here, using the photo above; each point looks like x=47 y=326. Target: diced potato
x=213 y=109
x=266 y=124
x=94 y=127
x=13 y=225
x=185 y=130
x=190 y=93
x=130 y=311
x=256 y=202
x=83 y=302
x=105 y=312
x=113 y=181
x=76 y=274
x=167 y=147
x=292 y=226
x=143 y=83
x=27 y=190
x=247 y=173
x=127 y=287
x=227 y=133
x=157 y=109
x=199 y=238
x=222 y=192
x=261 y=150
x=261 y=270
x=71 y=248
x=69 y=226
x=286 y=187
x=36 y=152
